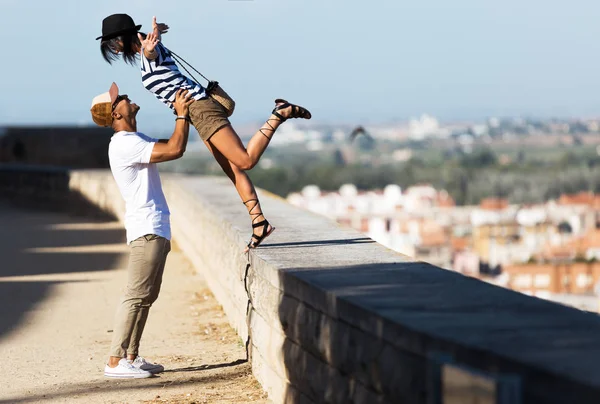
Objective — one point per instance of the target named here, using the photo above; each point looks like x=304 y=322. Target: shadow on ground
x=202 y=375
x=319 y=243
x=36 y=242
x=206 y=367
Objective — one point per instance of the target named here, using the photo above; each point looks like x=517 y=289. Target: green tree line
x=468 y=178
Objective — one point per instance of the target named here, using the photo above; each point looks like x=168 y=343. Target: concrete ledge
x=331 y=316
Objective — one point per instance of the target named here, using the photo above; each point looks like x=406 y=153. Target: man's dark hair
x=108 y=47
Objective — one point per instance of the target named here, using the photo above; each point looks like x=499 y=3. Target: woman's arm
x=153 y=38
x=159 y=28
x=149 y=45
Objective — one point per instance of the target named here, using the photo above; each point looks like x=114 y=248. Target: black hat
x=117 y=24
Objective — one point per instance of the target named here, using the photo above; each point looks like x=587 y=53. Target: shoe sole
x=127 y=376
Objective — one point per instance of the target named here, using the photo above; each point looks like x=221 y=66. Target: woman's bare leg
x=227 y=141
x=240 y=179
x=243 y=185
x=229 y=144
x=229 y=151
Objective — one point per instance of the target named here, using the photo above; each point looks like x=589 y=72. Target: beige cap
x=102 y=106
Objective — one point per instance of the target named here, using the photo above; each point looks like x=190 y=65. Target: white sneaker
x=143 y=364
x=125 y=370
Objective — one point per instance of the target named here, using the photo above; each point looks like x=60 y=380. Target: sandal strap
x=253 y=215
x=297 y=110
x=255 y=240
x=261 y=223
x=300 y=112
x=278 y=115
x=259 y=239
x=271 y=128
x=283 y=104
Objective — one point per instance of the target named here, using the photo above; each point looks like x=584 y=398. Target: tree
x=479 y=159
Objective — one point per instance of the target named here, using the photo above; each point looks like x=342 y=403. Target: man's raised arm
x=173 y=148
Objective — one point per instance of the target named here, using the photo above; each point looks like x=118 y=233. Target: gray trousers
x=146 y=266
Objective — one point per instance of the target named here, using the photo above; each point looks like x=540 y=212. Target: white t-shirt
x=146 y=210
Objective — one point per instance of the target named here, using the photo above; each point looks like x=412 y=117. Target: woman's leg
x=244 y=186
x=229 y=151
x=245 y=158
x=227 y=141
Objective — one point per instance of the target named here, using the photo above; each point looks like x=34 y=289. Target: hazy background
x=349 y=61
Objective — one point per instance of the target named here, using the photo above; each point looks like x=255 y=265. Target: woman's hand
x=159 y=28
x=183 y=100
x=149 y=44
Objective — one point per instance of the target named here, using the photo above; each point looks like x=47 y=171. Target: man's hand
x=183 y=100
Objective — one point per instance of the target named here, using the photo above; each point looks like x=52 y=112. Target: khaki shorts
x=208 y=116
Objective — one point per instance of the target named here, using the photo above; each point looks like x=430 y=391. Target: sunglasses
x=118 y=100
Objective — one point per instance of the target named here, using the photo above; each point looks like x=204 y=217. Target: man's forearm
x=179 y=138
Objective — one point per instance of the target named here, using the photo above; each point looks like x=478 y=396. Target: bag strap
x=181 y=61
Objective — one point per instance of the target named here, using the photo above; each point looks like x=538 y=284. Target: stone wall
x=330 y=316
x=32 y=186
x=74 y=147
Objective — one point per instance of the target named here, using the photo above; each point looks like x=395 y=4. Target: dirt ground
x=60 y=282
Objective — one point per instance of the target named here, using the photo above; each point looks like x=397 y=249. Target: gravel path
x=60 y=282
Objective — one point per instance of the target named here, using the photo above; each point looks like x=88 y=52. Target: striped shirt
x=162 y=77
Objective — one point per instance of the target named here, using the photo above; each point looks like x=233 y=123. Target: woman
x=161 y=76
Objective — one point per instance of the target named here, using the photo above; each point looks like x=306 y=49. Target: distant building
x=549 y=250
x=544 y=280
x=425 y=126
x=496 y=232
x=388 y=217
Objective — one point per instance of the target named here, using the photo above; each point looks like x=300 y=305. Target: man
x=133 y=157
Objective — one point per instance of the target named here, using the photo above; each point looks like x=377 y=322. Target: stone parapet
x=328 y=315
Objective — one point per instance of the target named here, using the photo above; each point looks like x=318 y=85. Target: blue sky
x=347 y=60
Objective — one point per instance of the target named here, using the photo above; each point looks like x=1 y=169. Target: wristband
x=187 y=118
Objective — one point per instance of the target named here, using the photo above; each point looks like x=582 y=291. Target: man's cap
x=102 y=106
x=117 y=24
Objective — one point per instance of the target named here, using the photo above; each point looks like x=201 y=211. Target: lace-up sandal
x=256 y=239
x=297 y=110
